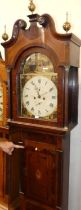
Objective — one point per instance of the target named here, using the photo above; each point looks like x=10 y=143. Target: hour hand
x=39 y=103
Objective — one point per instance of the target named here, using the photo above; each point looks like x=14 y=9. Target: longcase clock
x=43 y=95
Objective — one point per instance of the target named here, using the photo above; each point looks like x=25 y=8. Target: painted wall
x=10 y=11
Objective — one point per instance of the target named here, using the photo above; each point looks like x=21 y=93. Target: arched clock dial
x=39 y=96
x=38 y=87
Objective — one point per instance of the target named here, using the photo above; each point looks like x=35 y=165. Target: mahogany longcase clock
x=43 y=95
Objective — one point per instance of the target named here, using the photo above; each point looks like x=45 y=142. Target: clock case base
x=39 y=173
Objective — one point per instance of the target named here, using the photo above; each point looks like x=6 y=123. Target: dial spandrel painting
x=38 y=88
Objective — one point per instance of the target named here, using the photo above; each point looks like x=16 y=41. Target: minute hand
x=36 y=88
x=47 y=92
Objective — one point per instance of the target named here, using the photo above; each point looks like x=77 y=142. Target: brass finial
x=31 y=6
x=66 y=25
x=5 y=35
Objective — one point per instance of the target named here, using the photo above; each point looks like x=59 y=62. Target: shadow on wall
x=75 y=163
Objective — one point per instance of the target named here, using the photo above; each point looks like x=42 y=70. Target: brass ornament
x=66 y=25
x=5 y=35
x=31 y=6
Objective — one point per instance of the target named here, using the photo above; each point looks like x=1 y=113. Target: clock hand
x=44 y=94
x=26 y=96
x=39 y=103
x=37 y=90
x=47 y=92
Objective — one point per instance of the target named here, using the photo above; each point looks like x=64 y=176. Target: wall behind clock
x=10 y=11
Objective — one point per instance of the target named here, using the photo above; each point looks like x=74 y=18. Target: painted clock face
x=38 y=88
x=40 y=96
x=1 y=103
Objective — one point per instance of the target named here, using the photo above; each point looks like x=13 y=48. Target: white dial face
x=39 y=96
x=1 y=103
